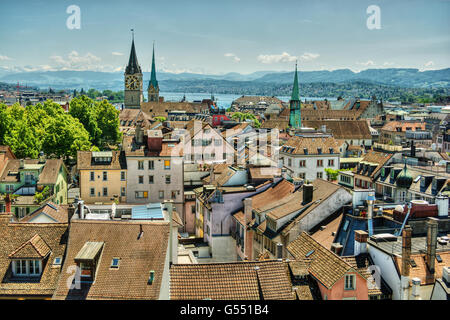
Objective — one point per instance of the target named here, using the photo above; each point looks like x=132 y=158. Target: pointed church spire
x=295 y=94
x=153 y=81
x=133 y=65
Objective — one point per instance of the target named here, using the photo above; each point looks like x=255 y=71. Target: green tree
x=108 y=122
x=160 y=119
x=84 y=109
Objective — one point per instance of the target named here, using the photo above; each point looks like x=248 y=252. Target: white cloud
x=386 y=64
x=366 y=64
x=117 y=53
x=286 y=57
x=275 y=58
x=232 y=55
x=429 y=64
x=4 y=58
x=307 y=56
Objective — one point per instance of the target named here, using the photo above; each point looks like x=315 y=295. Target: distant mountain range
x=397 y=77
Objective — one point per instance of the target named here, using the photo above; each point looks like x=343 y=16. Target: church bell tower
x=133 y=94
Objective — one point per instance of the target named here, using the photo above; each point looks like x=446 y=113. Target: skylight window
x=309 y=253
x=438 y=258
x=115 y=263
x=57 y=261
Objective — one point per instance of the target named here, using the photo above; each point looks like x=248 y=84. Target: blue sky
x=225 y=36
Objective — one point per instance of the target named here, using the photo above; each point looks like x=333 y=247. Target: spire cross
x=132 y=33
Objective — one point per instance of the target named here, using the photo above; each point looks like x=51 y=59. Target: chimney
x=307 y=193
x=416 y=289
x=406 y=250
x=154 y=141
x=337 y=248
x=81 y=209
x=8 y=203
x=279 y=251
x=173 y=244
x=432 y=226
x=22 y=163
x=360 y=242
x=248 y=211
x=212 y=177
x=442 y=203
x=324 y=128
x=406 y=255
x=70 y=211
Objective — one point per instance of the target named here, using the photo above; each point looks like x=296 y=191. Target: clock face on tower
x=132 y=82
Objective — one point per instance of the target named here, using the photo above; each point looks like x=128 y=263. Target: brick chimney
x=8 y=203
x=360 y=242
x=406 y=257
x=432 y=226
x=406 y=251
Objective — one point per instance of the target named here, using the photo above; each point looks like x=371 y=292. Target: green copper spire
x=295 y=105
x=295 y=95
x=153 y=81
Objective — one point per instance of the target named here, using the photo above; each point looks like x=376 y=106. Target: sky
x=221 y=36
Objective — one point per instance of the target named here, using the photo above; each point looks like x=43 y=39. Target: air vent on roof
x=151 y=277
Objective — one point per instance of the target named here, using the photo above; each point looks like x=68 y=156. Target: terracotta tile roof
x=34 y=248
x=378 y=158
x=361 y=263
x=393 y=125
x=38 y=240
x=85 y=162
x=50 y=171
x=231 y=281
x=312 y=114
x=343 y=129
x=137 y=258
x=421 y=270
x=264 y=172
x=272 y=124
x=155 y=109
x=325 y=236
x=57 y=212
x=312 y=144
x=323 y=264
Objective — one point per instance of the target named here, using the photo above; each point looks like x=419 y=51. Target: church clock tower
x=133 y=96
x=153 y=87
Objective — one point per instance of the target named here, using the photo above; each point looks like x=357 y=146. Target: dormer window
x=87 y=260
x=27 y=268
x=319 y=150
x=305 y=150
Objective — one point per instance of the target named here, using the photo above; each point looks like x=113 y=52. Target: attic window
x=309 y=253
x=305 y=150
x=319 y=150
x=115 y=263
x=57 y=261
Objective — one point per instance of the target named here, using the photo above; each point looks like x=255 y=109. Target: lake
x=223 y=100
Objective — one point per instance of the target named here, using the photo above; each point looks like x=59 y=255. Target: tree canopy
x=43 y=127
